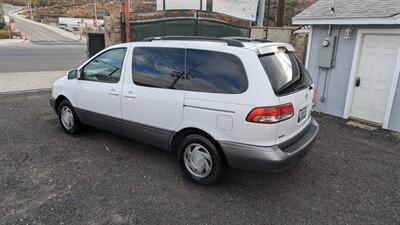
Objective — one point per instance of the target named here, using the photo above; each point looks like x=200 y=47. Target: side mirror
x=73 y=74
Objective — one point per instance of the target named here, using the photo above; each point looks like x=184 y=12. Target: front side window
x=105 y=68
x=214 y=72
x=159 y=67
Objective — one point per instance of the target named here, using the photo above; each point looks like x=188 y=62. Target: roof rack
x=244 y=39
x=228 y=41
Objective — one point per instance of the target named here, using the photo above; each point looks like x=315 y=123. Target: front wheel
x=68 y=118
x=200 y=159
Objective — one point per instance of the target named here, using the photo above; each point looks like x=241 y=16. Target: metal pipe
x=125 y=12
x=95 y=12
x=330 y=30
x=268 y=13
x=336 y=46
x=323 y=97
x=333 y=5
x=260 y=13
x=30 y=7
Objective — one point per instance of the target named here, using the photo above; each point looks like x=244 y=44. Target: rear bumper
x=274 y=158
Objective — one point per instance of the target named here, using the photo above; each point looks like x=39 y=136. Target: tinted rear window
x=159 y=67
x=215 y=72
x=284 y=71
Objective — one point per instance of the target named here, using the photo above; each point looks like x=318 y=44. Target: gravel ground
x=352 y=176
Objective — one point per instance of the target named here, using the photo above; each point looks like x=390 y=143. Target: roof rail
x=244 y=39
x=229 y=42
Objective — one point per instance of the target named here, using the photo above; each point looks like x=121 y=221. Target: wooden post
x=280 y=13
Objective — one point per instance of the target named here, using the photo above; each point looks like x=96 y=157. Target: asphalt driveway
x=352 y=176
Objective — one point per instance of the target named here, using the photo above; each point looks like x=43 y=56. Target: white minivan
x=214 y=102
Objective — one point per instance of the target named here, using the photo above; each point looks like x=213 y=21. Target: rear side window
x=159 y=67
x=285 y=72
x=215 y=72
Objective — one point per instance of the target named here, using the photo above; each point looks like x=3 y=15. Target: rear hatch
x=292 y=84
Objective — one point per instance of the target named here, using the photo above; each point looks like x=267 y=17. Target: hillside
x=69 y=8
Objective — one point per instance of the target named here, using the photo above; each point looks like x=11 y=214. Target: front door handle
x=113 y=92
x=130 y=95
x=358 y=81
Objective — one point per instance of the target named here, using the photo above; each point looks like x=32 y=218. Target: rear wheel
x=68 y=118
x=200 y=159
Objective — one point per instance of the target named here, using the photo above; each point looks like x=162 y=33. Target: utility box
x=326 y=53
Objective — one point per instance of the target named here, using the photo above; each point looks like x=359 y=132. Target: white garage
x=354 y=58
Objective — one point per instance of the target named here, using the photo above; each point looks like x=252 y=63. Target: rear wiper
x=303 y=86
x=280 y=90
x=287 y=85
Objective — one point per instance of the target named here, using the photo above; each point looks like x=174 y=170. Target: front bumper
x=271 y=159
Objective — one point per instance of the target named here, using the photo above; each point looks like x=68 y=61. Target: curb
x=25 y=92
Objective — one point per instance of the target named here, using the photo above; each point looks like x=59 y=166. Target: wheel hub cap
x=198 y=160
x=67 y=118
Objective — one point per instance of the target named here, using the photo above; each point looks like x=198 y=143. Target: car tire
x=200 y=159
x=68 y=119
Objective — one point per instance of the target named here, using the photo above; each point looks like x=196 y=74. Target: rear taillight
x=272 y=114
x=314 y=96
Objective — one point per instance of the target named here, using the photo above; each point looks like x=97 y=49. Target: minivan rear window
x=214 y=72
x=285 y=72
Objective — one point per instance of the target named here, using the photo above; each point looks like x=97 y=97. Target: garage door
x=377 y=62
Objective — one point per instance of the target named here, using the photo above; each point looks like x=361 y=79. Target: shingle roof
x=351 y=9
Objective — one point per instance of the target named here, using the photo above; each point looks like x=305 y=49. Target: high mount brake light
x=270 y=115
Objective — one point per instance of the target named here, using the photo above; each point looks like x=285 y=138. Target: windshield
x=284 y=71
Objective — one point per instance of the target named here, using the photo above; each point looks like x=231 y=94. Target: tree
x=1 y=15
x=280 y=13
x=1 y=10
x=292 y=7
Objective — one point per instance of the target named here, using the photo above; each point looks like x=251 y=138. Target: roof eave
x=352 y=21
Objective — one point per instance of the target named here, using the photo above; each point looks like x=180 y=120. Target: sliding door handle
x=130 y=95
